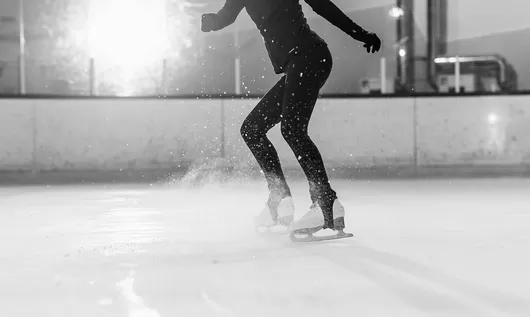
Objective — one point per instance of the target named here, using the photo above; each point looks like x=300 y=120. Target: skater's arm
x=225 y=17
x=329 y=11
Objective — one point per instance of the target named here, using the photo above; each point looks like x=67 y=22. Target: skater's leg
x=261 y=119
x=306 y=75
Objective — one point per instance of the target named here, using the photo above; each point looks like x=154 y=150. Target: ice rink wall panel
x=17 y=134
x=489 y=130
x=113 y=134
x=136 y=134
x=348 y=132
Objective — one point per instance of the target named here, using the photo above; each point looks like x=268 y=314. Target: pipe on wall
x=436 y=37
x=405 y=39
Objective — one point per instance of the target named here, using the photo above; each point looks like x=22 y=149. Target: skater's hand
x=208 y=22
x=371 y=41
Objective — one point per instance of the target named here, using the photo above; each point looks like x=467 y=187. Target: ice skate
x=264 y=221
x=312 y=222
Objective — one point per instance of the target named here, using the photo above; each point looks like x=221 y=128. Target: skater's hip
x=306 y=50
x=289 y=42
x=315 y=60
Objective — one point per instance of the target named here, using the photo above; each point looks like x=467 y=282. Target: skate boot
x=312 y=222
x=265 y=220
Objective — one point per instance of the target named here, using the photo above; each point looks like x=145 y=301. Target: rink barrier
x=392 y=135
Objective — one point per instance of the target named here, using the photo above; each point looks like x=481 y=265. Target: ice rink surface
x=421 y=248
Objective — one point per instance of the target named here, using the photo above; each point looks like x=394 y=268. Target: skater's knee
x=245 y=131
x=249 y=131
x=292 y=133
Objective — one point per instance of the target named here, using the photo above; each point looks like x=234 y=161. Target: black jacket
x=283 y=25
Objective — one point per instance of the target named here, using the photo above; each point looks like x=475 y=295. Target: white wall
x=107 y=134
x=478 y=130
x=112 y=134
x=474 y=18
x=16 y=134
x=347 y=132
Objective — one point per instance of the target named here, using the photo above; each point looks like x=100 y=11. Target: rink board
x=473 y=131
x=146 y=134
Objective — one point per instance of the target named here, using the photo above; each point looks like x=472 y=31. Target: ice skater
x=305 y=60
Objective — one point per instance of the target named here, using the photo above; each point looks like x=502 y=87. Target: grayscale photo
x=274 y=158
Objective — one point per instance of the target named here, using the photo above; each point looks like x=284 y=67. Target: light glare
x=127 y=37
x=396 y=12
x=125 y=32
x=493 y=118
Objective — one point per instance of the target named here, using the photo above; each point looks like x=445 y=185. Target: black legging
x=291 y=101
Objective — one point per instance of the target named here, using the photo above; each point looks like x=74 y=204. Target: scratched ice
x=422 y=248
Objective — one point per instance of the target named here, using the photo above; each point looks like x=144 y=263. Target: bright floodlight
x=127 y=35
x=127 y=31
x=396 y=12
